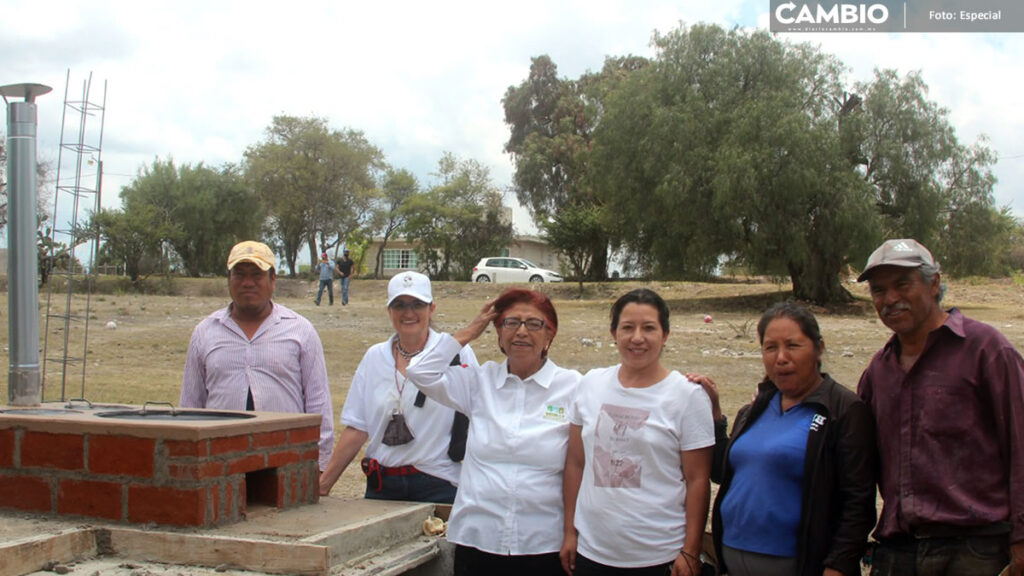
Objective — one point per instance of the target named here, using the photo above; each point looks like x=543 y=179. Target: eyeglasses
x=403 y=305
x=532 y=324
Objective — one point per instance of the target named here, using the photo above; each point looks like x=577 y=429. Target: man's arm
x=193 y=380
x=317 y=392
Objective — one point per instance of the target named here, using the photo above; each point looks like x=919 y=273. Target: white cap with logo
x=410 y=284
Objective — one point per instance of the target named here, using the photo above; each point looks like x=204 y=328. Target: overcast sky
x=199 y=81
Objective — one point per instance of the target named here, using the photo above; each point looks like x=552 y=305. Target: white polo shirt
x=510 y=495
x=372 y=398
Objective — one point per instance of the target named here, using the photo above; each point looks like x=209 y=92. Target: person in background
x=947 y=393
x=797 y=493
x=256 y=354
x=507 y=517
x=326 y=272
x=344 y=270
x=637 y=486
x=414 y=445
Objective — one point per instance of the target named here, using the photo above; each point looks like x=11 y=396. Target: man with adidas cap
x=947 y=393
x=256 y=354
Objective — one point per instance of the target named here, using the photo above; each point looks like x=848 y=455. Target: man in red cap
x=326 y=271
x=948 y=397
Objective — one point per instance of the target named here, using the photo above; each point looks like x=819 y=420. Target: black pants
x=472 y=562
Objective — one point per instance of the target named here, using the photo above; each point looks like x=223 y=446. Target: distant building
x=400 y=255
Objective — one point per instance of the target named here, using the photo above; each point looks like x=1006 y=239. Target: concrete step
x=393 y=561
x=373 y=535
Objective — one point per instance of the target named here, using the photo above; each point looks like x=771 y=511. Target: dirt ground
x=141 y=359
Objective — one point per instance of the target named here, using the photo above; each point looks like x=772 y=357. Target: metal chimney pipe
x=23 y=384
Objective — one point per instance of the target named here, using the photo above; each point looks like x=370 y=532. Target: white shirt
x=510 y=495
x=283 y=365
x=630 y=511
x=373 y=397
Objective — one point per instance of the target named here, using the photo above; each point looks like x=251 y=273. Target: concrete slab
x=336 y=536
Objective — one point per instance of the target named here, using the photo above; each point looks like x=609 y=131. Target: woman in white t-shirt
x=413 y=445
x=507 y=517
x=641 y=437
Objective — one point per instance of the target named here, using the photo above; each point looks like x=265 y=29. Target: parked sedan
x=505 y=269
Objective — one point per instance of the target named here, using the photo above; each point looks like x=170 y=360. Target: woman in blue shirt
x=797 y=494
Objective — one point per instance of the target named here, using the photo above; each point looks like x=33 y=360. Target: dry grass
x=142 y=359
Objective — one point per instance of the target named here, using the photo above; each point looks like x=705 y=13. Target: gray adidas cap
x=903 y=252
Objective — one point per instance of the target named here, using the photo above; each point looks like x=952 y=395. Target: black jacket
x=838 y=503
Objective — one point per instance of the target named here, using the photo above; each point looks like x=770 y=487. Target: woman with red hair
x=508 y=512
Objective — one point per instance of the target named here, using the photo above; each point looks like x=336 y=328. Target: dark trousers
x=962 y=556
x=472 y=562
x=418 y=487
x=587 y=567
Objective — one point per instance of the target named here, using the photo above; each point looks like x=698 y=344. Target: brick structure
x=191 y=473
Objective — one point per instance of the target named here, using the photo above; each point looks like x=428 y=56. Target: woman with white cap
x=413 y=445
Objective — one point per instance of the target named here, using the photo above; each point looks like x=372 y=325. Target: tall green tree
x=726 y=147
x=397 y=188
x=552 y=122
x=458 y=220
x=203 y=211
x=316 y=183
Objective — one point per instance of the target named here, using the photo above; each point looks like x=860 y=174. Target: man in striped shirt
x=256 y=354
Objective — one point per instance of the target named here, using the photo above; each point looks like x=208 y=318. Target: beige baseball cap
x=249 y=251
x=902 y=252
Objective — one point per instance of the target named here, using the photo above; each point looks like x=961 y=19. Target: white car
x=505 y=269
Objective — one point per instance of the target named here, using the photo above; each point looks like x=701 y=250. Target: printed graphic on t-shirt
x=617 y=464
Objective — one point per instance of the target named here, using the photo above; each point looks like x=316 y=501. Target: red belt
x=399 y=470
x=374 y=471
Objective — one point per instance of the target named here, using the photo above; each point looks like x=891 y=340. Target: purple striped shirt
x=283 y=365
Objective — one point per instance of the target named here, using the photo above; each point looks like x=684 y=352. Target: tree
x=726 y=147
x=316 y=183
x=551 y=122
x=389 y=214
x=132 y=237
x=203 y=211
x=573 y=232
x=459 y=219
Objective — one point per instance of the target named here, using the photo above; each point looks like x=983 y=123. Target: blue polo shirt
x=761 y=510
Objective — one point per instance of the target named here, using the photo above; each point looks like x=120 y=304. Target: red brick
x=44 y=450
x=170 y=506
x=278 y=459
x=90 y=498
x=7 y=448
x=304 y=435
x=312 y=456
x=195 y=470
x=30 y=493
x=282 y=490
x=246 y=464
x=183 y=448
x=121 y=455
x=270 y=439
x=229 y=444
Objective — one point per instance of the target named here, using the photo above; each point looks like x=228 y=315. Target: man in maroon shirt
x=948 y=397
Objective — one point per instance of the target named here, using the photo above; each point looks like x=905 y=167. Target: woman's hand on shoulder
x=711 y=388
x=478 y=325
